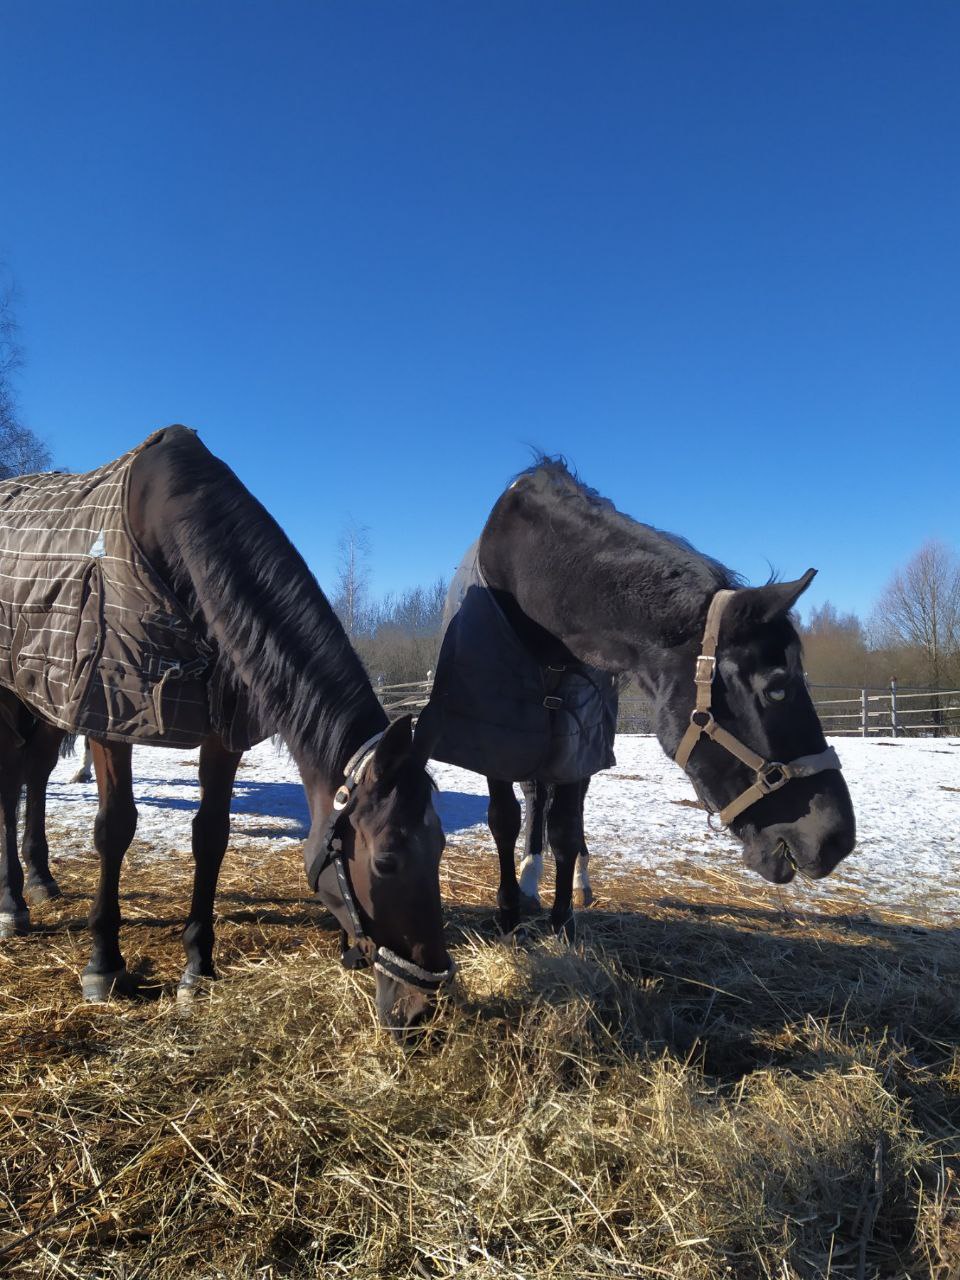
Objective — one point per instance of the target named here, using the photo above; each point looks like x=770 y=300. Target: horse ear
x=427 y=733
x=754 y=605
x=392 y=747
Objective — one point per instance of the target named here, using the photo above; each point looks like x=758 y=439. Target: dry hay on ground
x=704 y=1087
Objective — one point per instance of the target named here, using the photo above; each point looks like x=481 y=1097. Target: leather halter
x=771 y=775
x=330 y=853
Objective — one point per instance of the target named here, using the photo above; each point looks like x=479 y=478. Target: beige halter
x=771 y=774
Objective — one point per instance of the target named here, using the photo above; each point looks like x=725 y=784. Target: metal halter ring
x=342 y=798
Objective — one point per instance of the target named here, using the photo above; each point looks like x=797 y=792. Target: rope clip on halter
x=769 y=775
x=364 y=951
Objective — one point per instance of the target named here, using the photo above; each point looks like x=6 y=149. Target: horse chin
x=402 y=1010
x=773 y=862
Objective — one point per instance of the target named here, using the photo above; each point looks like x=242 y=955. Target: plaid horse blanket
x=91 y=637
x=497 y=711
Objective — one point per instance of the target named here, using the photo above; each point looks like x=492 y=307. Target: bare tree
x=20 y=450
x=400 y=634
x=835 y=649
x=353 y=576
x=920 y=610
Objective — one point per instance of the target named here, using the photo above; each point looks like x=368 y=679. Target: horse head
x=374 y=862
x=752 y=743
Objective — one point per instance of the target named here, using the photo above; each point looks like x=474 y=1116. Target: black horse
x=579 y=581
x=271 y=636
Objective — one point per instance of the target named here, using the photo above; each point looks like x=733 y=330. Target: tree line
x=912 y=634
x=397 y=635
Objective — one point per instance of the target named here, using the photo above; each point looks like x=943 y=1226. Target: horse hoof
x=14 y=924
x=99 y=987
x=528 y=904
x=82 y=776
x=192 y=985
x=43 y=891
x=583 y=897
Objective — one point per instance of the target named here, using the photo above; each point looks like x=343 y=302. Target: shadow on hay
x=733 y=999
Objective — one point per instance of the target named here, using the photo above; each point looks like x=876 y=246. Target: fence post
x=895 y=728
x=864 y=714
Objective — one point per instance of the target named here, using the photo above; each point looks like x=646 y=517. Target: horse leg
x=211 y=830
x=583 y=890
x=565 y=833
x=85 y=772
x=113 y=830
x=14 y=916
x=15 y=726
x=503 y=818
x=42 y=750
x=535 y=799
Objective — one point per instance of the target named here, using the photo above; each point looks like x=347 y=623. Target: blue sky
x=373 y=252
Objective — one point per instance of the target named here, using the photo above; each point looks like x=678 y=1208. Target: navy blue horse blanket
x=495 y=710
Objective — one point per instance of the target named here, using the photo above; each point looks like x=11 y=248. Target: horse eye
x=776 y=695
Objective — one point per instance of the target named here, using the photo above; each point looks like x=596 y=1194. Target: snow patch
x=906 y=794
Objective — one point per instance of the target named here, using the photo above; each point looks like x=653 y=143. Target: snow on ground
x=906 y=793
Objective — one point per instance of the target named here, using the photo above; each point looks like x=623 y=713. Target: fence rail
x=891 y=711
x=881 y=712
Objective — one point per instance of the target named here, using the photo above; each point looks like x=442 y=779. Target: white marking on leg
x=581 y=876
x=85 y=772
x=531 y=873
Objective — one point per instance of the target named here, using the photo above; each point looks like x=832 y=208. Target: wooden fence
x=892 y=711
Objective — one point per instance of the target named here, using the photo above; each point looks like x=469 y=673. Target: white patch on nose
x=531 y=873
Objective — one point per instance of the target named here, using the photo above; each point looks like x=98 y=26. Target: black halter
x=364 y=950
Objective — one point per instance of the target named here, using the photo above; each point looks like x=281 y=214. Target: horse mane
x=687 y=577
x=279 y=639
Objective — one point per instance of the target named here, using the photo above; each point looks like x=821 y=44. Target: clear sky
x=374 y=251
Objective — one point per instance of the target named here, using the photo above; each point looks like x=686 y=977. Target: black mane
x=276 y=633
x=659 y=571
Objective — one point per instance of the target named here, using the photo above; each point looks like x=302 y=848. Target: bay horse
x=374 y=846
x=580 y=581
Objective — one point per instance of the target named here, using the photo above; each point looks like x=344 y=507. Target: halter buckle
x=772 y=777
x=706 y=669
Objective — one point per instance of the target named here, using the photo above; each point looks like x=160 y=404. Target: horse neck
x=281 y=641
x=629 y=611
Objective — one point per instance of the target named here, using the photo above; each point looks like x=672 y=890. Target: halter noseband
x=771 y=775
x=330 y=853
